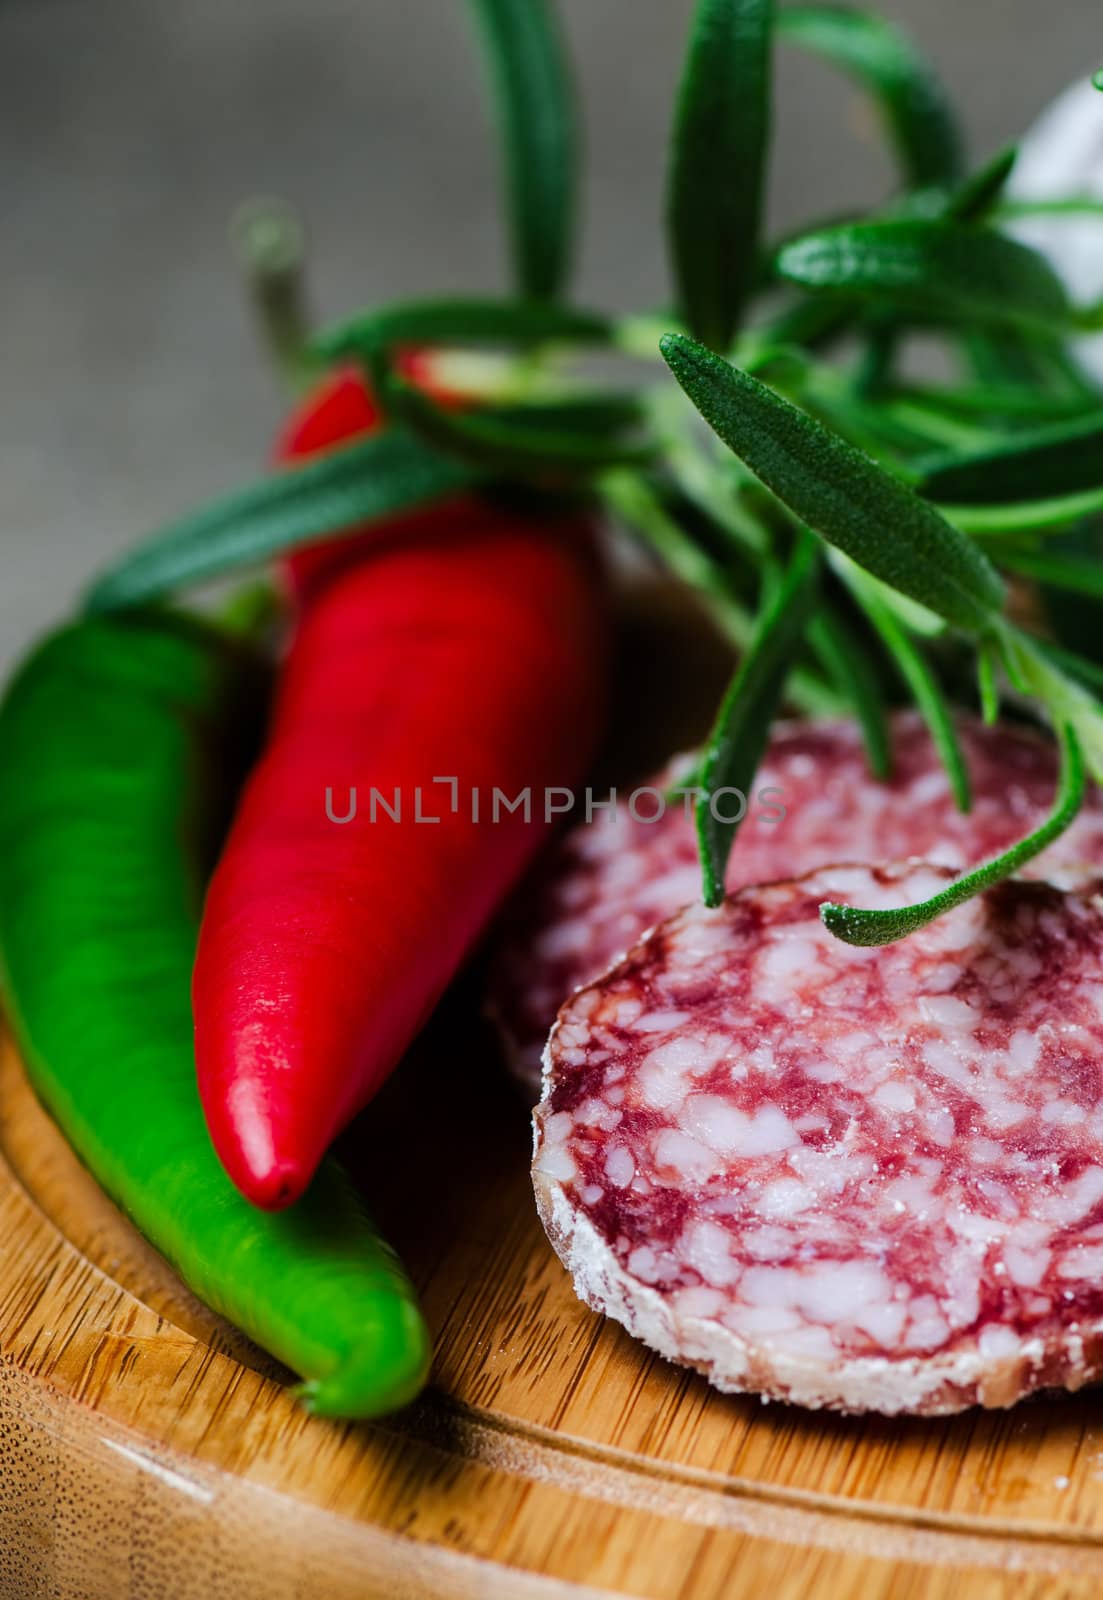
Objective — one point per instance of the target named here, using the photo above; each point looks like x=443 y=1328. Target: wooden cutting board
x=146 y=1451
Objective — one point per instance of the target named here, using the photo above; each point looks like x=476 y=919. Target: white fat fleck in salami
x=860 y=1179
x=605 y=883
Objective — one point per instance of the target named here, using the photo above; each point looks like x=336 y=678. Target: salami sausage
x=858 y=1179
x=813 y=802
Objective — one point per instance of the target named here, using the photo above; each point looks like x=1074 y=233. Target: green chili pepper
x=121 y=741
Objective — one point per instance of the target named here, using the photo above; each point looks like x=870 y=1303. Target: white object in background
x=1062 y=155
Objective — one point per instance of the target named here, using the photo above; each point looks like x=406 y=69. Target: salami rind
x=856 y=1179
x=605 y=883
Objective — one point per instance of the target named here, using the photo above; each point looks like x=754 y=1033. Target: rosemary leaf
x=1059 y=459
x=537 y=441
x=941 y=271
x=975 y=197
x=988 y=684
x=1037 y=673
x=742 y=726
x=925 y=688
x=1027 y=516
x=717 y=164
x=535 y=101
x=849 y=664
x=913 y=103
x=1010 y=404
x=838 y=491
x=1072 y=206
x=338 y=492
x=856 y=926
x=1089 y=673
x=1076 y=574
x=461 y=321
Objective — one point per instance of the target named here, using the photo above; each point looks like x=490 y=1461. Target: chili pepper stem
x=269 y=244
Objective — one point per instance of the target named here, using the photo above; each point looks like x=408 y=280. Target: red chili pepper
x=468 y=645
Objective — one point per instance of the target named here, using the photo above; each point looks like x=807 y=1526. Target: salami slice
x=859 y=1179
x=813 y=802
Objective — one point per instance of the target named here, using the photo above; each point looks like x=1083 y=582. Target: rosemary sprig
x=836 y=516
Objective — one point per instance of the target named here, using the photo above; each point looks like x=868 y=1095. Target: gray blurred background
x=132 y=384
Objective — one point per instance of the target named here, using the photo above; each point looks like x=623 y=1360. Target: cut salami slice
x=859 y=1179
x=605 y=883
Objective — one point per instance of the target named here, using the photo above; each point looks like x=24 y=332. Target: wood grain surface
x=147 y=1451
